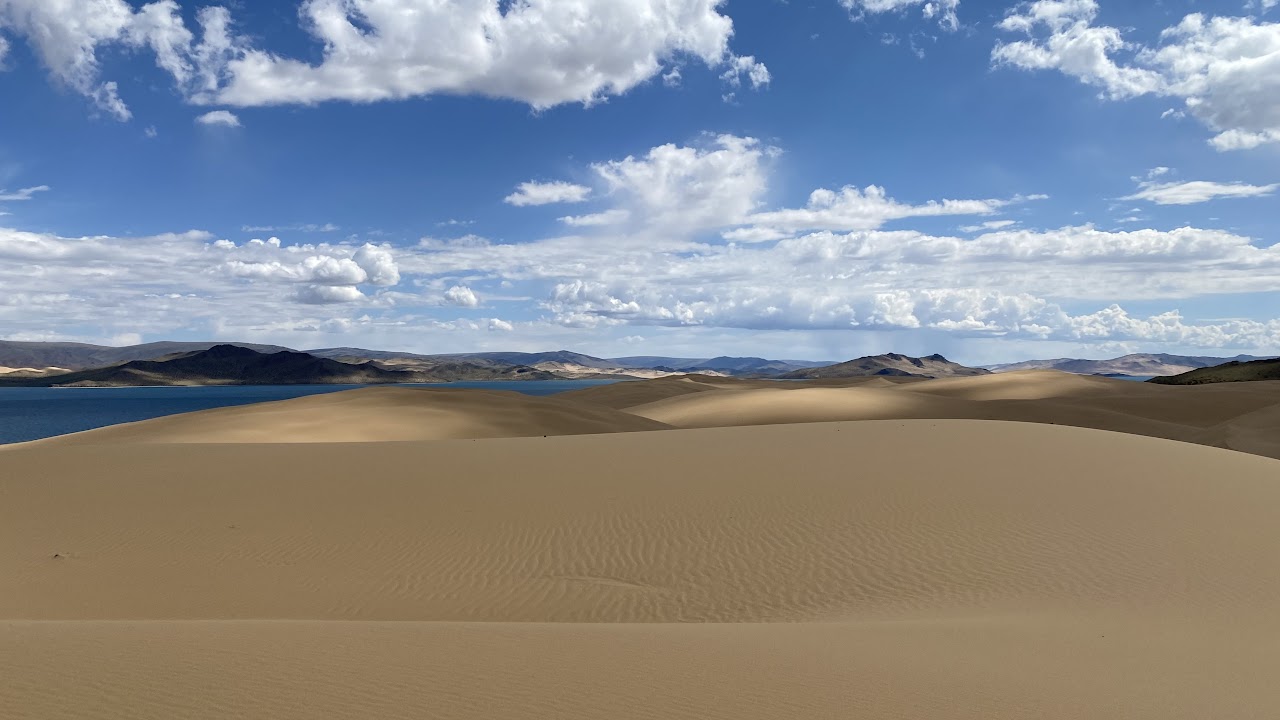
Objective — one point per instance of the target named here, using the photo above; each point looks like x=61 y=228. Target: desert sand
x=676 y=548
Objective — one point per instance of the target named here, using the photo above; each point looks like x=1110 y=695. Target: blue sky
x=821 y=179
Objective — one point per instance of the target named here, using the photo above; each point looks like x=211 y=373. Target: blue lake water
x=34 y=413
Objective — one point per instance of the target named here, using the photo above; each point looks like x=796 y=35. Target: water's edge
x=37 y=413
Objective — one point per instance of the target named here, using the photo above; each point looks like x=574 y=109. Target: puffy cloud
x=754 y=71
x=219 y=117
x=943 y=10
x=67 y=34
x=328 y=294
x=547 y=193
x=1225 y=69
x=378 y=264
x=691 y=187
x=319 y=269
x=23 y=194
x=1197 y=191
x=461 y=296
x=541 y=52
x=662 y=269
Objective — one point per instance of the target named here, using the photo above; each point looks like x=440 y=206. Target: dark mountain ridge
x=82 y=356
x=236 y=365
x=1234 y=371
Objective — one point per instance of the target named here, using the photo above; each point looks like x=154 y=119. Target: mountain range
x=1138 y=364
x=160 y=363
x=238 y=365
x=893 y=364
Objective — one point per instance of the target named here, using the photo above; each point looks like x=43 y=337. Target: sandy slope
x=885 y=569
x=383 y=414
x=282 y=561
x=1239 y=416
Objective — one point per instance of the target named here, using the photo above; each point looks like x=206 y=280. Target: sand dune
x=378 y=414
x=871 y=558
x=1242 y=417
x=866 y=565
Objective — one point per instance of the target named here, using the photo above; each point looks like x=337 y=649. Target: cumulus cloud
x=328 y=294
x=1076 y=283
x=547 y=193
x=67 y=37
x=219 y=117
x=692 y=187
x=1226 y=70
x=540 y=52
x=461 y=296
x=943 y=10
x=1196 y=191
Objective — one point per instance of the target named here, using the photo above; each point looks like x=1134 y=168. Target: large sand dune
x=880 y=568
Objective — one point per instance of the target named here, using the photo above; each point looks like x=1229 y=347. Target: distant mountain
x=727 y=365
x=80 y=356
x=655 y=361
x=1234 y=371
x=1139 y=364
x=451 y=367
x=235 y=365
x=933 y=366
x=517 y=359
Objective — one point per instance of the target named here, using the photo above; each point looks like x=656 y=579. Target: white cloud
x=667 y=267
x=1196 y=191
x=989 y=225
x=540 y=52
x=1225 y=69
x=307 y=228
x=547 y=193
x=67 y=34
x=219 y=117
x=328 y=294
x=461 y=296
x=688 y=187
x=943 y=10
x=150 y=131
x=378 y=264
x=854 y=209
x=755 y=71
x=608 y=217
x=23 y=194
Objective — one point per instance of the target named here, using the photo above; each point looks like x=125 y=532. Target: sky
x=800 y=179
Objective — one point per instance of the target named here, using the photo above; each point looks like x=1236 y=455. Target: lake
x=34 y=413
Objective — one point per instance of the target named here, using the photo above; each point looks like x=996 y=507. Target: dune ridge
x=806 y=558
